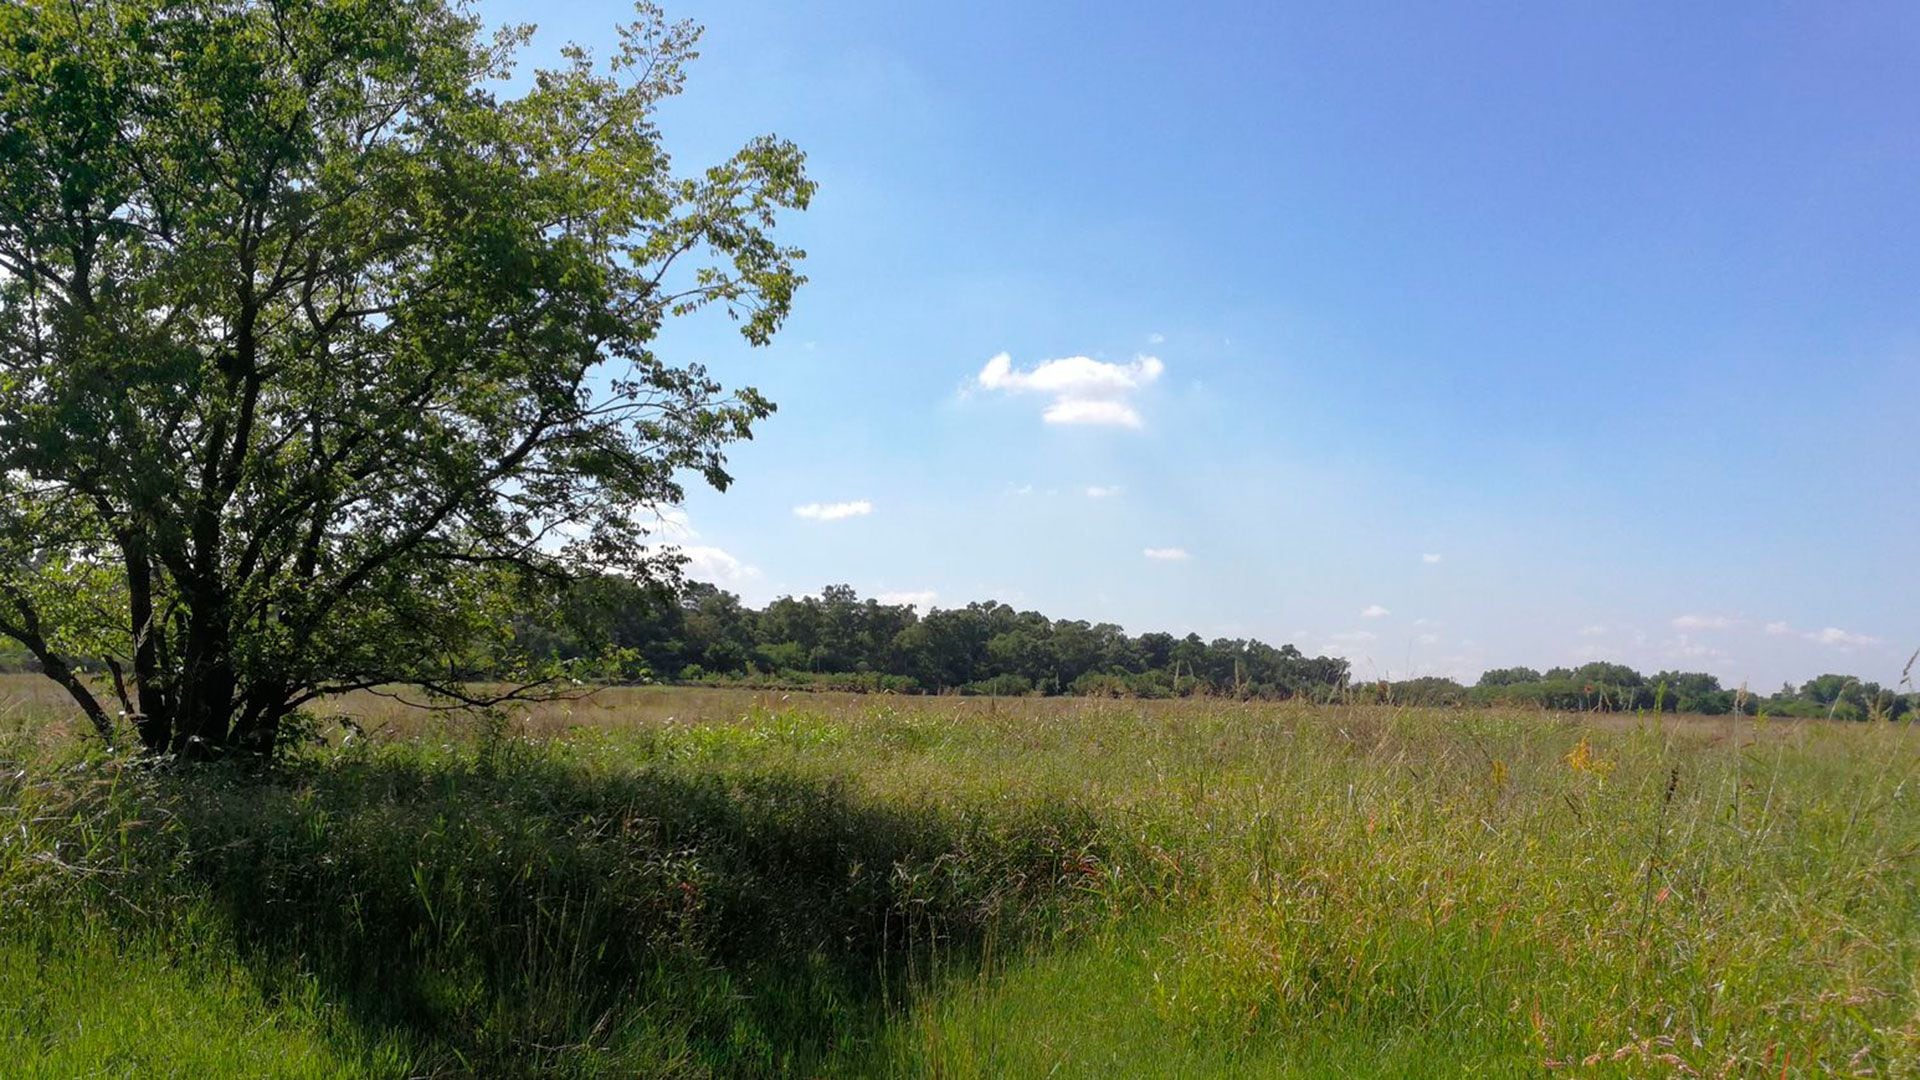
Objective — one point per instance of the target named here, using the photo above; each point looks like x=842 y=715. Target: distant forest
x=696 y=632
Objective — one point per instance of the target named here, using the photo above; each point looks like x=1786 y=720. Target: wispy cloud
x=1833 y=635
x=1374 y=611
x=1685 y=648
x=1592 y=630
x=1094 y=412
x=1430 y=558
x=1104 y=491
x=834 y=511
x=1704 y=622
x=917 y=598
x=1166 y=554
x=1156 y=338
x=1084 y=390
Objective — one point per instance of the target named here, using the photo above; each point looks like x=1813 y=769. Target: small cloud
x=1374 y=611
x=717 y=566
x=1099 y=413
x=834 y=511
x=1156 y=338
x=1084 y=390
x=1167 y=554
x=1703 y=622
x=1430 y=558
x=1354 y=636
x=1022 y=489
x=1592 y=630
x=920 y=598
x=1779 y=629
x=1101 y=491
x=1833 y=635
x=1429 y=639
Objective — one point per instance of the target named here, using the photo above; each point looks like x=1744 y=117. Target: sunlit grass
x=693 y=884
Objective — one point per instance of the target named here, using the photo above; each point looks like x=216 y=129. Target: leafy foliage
x=319 y=355
x=696 y=632
x=838 y=640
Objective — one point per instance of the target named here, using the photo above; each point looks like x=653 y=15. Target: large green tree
x=321 y=339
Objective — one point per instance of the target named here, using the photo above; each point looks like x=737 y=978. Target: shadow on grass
x=514 y=912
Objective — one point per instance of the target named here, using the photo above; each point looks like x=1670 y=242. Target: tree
x=1827 y=689
x=1603 y=673
x=1693 y=692
x=318 y=353
x=718 y=630
x=1512 y=676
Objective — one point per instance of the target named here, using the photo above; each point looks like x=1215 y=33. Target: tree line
x=697 y=632
x=1604 y=686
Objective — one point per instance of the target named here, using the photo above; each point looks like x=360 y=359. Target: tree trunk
x=258 y=728
x=154 y=718
x=204 y=717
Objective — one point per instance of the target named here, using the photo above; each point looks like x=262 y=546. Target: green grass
x=693 y=884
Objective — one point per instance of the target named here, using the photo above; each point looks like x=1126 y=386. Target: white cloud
x=1156 y=338
x=1104 y=491
x=1703 y=622
x=1078 y=411
x=1833 y=635
x=1779 y=629
x=921 y=598
x=1430 y=558
x=1594 y=630
x=1166 y=553
x=717 y=566
x=1353 y=636
x=702 y=562
x=1373 y=611
x=1429 y=639
x=834 y=511
x=1072 y=376
x=1084 y=390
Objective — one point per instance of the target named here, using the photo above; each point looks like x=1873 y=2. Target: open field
x=704 y=883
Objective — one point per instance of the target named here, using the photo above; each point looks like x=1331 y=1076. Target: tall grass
x=687 y=885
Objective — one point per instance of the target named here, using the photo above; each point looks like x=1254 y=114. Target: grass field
x=703 y=883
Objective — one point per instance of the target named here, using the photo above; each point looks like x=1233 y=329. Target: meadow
x=693 y=883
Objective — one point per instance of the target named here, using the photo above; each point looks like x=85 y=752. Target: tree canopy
x=321 y=352
x=696 y=632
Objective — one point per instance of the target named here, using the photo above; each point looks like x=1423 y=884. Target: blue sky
x=1505 y=334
